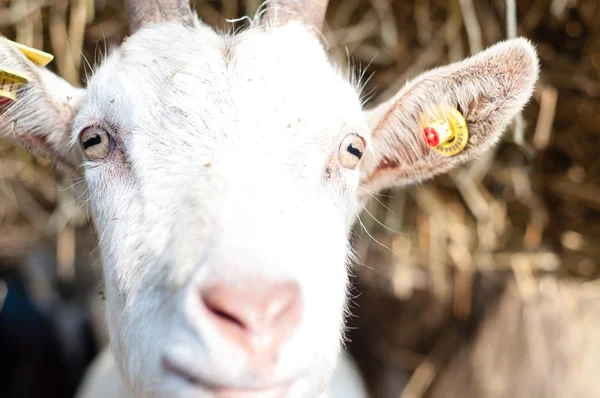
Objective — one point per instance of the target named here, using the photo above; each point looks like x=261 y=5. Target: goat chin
x=102 y=380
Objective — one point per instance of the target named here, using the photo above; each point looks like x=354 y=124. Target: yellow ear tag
x=10 y=81
x=445 y=130
x=36 y=56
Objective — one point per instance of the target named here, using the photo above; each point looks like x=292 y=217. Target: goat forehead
x=256 y=82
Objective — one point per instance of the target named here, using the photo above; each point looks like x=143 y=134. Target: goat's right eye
x=351 y=151
x=96 y=143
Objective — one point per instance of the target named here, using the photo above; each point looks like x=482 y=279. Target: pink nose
x=259 y=317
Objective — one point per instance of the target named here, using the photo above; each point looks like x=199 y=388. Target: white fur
x=226 y=168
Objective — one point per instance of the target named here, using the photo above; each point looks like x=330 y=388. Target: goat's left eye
x=351 y=151
x=96 y=143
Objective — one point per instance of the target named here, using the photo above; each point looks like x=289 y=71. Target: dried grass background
x=435 y=256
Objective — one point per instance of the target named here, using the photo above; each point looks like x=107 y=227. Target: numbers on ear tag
x=10 y=82
x=38 y=57
x=444 y=130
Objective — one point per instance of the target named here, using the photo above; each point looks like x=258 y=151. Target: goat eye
x=96 y=143
x=351 y=151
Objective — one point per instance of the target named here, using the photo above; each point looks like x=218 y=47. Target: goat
x=225 y=172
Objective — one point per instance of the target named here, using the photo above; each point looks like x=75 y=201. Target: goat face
x=223 y=196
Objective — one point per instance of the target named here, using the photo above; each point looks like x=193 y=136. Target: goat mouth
x=275 y=392
x=226 y=391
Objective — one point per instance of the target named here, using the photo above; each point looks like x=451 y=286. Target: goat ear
x=41 y=115
x=489 y=89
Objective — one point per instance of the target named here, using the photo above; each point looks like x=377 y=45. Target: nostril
x=217 y=309
x=256 y=308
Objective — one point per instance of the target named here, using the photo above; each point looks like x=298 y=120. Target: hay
x=530 y=208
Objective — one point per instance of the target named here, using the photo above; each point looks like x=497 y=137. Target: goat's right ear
x=42 y=115
x=487 y=89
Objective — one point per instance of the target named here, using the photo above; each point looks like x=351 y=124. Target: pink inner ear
x=386 y=165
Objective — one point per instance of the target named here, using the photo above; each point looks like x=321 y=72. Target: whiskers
x=87 y=63
x=358 y=78
x=371 y=236
x=363 y=225
x=379 y=222
x=76 y=183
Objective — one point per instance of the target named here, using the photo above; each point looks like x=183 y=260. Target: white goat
x=225 y=173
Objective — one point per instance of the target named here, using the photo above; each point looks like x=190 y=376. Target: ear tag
x=10 y=82
x=445 y=130
x=36 y=56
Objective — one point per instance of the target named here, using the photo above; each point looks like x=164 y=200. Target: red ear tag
x=444 y=130
x=437 y=133
x=432 y=137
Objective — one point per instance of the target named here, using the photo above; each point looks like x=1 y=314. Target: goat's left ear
x=41 y=112
x=489 y=89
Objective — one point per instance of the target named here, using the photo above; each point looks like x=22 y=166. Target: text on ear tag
x=444 y=130
x=10 y=82
x=38 y=57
